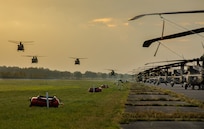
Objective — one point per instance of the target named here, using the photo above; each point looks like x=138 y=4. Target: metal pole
x=93 y=89
x=47 y=99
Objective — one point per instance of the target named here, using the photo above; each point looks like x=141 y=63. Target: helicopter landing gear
x=172 y=83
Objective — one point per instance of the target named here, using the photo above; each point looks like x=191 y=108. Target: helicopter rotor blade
x=17 y=42
x=73 y=57
x=33 y=56
x=165 y=61
x=27 y=41
x=12 y=41
x=165 y=13
x=112 y=69
x=82 y=58
x=147 y=43
x=28 y=56
x=177 y=62
x=77 y=58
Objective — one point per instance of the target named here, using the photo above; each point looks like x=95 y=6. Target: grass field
x=81 y=109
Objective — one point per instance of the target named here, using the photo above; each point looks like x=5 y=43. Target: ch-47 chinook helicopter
x=195 y=75
x=20 y=46
x=34 y=59
x=179 y=77
x=112 y=73
x=192 y=78
x=188 y=79
x=77 y=61
x=171 y=73
x=148 y=75
x=161 y=73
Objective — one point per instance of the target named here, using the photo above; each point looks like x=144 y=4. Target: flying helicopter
x=34 y=59
x=20 y=46
x=112 y=73
x=77 y=61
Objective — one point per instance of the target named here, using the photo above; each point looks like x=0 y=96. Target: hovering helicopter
x=77 y=61
x=20 y=46
x=112 y=73
x=34 y=59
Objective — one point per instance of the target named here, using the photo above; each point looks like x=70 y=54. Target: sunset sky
x=98 y=30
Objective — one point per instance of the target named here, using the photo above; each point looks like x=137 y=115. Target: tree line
x=45 y=73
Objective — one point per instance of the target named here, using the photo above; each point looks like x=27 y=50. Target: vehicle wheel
x=172 y=84
x=201 y=87
x=193 y=87
x=186 y=86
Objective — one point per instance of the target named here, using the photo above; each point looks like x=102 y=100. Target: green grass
x=81 y=109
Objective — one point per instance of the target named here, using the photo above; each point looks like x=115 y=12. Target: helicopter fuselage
x=77 y=62
x=34 y=59
x=20 y=47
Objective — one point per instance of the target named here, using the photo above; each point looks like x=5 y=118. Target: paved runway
x=195 y=94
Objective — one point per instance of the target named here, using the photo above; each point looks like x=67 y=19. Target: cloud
x=126 y=24
x=102 y=20
x=108 y=22
x=111 y=25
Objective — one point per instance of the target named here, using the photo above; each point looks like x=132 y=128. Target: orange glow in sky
x=98 y=30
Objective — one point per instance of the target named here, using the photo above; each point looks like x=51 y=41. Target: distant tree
x=77 y=75
x=44 y=73
x=89 y=74
x=104 y=75
x=66 y=75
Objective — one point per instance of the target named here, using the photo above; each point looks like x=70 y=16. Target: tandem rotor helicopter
x=188 y=75
x=192 y=76
x=34 y=59
x=112 y=72
x=20 y=46
x=77 y=61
